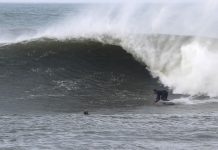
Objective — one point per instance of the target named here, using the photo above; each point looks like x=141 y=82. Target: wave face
x=71 y=76
x=176 y=41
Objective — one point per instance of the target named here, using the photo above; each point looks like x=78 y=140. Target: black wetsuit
x=161 y=95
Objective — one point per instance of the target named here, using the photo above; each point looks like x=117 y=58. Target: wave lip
x=178 y=61
x=185 y=64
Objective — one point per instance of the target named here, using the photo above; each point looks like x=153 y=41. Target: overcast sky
x=102 y=1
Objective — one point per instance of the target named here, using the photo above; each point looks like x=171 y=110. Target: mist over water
x=176 y=60
x=176 y=41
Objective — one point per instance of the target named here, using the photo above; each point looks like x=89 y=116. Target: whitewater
x=179 y=53
x=58 y=60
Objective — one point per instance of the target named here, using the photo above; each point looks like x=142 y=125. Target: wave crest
x=186 y=64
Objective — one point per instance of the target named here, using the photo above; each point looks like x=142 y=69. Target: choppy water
x=109 y=131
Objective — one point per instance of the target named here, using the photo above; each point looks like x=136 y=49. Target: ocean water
x=58 y=60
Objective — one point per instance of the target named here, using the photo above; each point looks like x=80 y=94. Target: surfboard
x=166 y=102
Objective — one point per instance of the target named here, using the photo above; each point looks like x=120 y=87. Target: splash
x=163 y=36
x=191 y=101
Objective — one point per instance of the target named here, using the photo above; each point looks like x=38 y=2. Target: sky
x=91 y=1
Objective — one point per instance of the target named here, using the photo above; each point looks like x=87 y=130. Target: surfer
x=86 y=112
x=161 y=95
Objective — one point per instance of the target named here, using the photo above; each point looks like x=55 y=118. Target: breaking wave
x=182 y=58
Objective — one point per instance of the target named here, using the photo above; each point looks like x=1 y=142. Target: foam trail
x=190 y=101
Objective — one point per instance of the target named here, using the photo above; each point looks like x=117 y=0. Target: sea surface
x=58 y=60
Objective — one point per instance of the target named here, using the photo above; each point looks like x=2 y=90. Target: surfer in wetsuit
x=161 y=95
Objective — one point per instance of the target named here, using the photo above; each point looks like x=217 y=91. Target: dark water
x=72 y=76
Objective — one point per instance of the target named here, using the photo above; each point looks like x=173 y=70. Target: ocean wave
x=185 y=64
